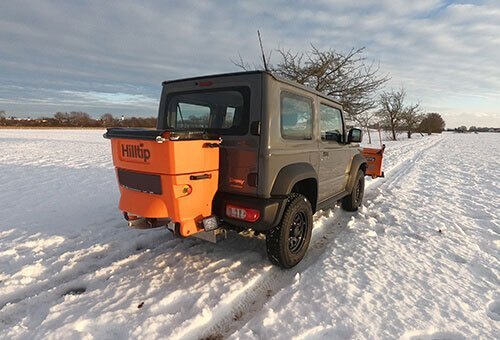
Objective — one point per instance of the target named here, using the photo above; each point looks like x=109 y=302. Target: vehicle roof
x=276 y=77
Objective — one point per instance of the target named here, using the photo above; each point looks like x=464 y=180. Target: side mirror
x=355 y=136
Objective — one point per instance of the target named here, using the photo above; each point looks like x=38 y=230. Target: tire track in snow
x=51 y=294
x=401 y=168
x=239 y=308
x=90 y=265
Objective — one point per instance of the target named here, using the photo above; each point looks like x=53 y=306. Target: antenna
x=262 y=50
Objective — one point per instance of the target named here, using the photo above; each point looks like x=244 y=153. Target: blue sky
x=111 y=56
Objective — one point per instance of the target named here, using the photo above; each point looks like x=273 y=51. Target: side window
x=296 y=116
x=330 y=123
x=229 y=117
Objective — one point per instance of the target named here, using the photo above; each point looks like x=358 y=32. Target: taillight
x=204 y=83
x=241 y=213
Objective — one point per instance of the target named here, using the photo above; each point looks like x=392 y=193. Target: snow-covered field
x=419 y=261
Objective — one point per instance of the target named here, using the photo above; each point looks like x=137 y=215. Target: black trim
x=358 y=162
x=241 y=129
x=198 y=177
x=350 y=137
x=271 y=210
x=330 y=202
x=276 y=77
x=133 y=133
x=150 y=134
x=255 y=128
x=290 y=175
x=140 y=182
x=220 y=75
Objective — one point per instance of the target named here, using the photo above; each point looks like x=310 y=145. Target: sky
x=112 y=56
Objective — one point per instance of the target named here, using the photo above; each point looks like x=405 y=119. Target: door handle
x=325 y=154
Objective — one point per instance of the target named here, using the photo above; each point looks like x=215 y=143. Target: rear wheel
x=353 y=201
x=287 y=243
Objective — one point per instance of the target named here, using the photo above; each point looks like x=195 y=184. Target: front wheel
x=287 y=243
x=353 y=201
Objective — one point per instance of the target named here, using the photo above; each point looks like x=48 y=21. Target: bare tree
x=2 y=114
x=78 y=118
x=108 y=119
x=345 y=77
x=433 y=122
x=365 y=120
x=61 y=117
x=392 y=109
x=411 y=118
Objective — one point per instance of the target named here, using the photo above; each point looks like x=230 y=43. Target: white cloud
x=445 y=54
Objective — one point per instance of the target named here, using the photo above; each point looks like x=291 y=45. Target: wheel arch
x=358 y=163
x=309 y=188
x=300 y=178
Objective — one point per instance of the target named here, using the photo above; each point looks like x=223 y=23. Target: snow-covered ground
x=419 y=261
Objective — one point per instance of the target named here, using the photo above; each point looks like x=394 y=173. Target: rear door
x=333 y=154
x=239 y=159
x=237 y=100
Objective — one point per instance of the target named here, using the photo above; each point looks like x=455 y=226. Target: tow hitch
x=145 y=223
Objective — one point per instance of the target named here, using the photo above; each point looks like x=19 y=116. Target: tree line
x=473 y=128
x=78 y=119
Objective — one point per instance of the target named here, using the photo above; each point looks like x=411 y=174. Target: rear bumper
x=271 y=210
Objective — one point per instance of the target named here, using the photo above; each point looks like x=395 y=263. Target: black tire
x=354 y=200
x=287 y=243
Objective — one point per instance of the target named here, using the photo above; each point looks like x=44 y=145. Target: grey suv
x=285 y=153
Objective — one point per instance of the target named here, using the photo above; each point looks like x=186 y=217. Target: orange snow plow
x=374 y=159
x=166 y=178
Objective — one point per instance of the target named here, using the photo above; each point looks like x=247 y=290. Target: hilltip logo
x=136 y=151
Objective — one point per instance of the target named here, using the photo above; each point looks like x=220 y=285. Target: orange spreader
x=374 y=159
x=174 y=179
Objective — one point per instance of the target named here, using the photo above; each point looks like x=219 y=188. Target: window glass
x=330 y=123
x=229 y=117
x=192 y=115
x=224 y=111
x=296 y=116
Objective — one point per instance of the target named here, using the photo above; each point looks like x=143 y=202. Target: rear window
x=223 y=111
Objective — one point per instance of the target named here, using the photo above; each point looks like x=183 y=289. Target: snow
x=419 y=261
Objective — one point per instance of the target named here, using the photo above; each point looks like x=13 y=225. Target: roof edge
x=217 y=75
x=276 y=77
